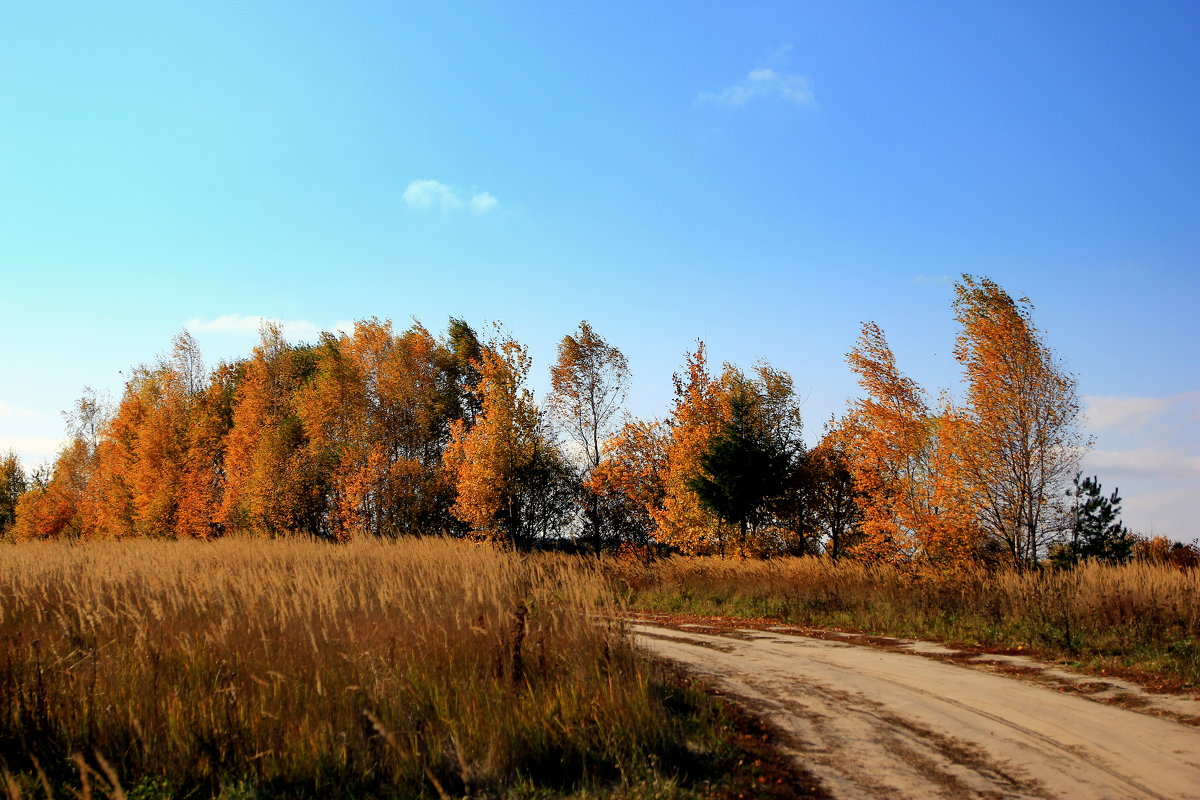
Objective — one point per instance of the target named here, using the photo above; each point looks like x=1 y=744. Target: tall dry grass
x=296 y=668
x=1140 y=617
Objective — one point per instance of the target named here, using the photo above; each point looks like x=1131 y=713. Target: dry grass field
x=259 y=668
x=1142 y=620
x=251 y=668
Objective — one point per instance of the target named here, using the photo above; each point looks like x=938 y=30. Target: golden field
x=263 y=668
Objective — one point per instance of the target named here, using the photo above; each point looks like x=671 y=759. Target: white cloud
x=246 y=326
x=1149 y=447
x=923 y=278
x=13 y=411
x=764 y=83
x=781 y=53
x=1171 y=513
x=1146 y=461
x=1129 y=413
x=483 y=202
x=430 y=195
x=32 y=450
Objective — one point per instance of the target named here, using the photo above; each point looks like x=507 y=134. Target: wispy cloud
x=763 y=83
x=431 y=195
x=941 y=279
x=1148 y=461
x=32 y=450
x=1129 y=413
x=13 y=411
x=483 y=202
x=1149 y=447
x=249 y=325
x=1170 y=512
x=781 y=53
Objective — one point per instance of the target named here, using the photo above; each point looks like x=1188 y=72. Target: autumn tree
x=50 y=507
x=629 y=480
x=507 y=469
x=125 y=489
x=681 y=521
x=1021 y=437
x=1163 y=551
x=378 y=412
x=885 y=436
x=272 y=486
x=589 y=383
x=12 y=486
x=55 y=502
x=141 y=456
x=698 y=429
x=170 y=391
x=202 y=482
x=903 y=459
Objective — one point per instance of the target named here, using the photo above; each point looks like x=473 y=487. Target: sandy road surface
x=880 y=723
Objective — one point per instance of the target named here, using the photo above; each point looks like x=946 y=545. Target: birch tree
x=590 y=380
x=1022 y=438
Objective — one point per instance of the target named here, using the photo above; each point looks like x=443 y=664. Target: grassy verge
x=1139 y=620
x=254 y=669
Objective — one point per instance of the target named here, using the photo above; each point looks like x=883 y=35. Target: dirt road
x=875 y=722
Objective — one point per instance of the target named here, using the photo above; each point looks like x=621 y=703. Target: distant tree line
x=380 y=432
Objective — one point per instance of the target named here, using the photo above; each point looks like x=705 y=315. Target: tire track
x=872 y=723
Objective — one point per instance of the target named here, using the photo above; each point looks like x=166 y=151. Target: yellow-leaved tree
x=377 y=413
x=58 y=502
x=681 y=521
x=904 y=463
x=1021 y=440
x=511 y=479
x=630 y=479
x=272 y=486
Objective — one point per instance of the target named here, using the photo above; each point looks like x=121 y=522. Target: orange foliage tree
x=681 y=521
x=701 y=412
x=378 y=414
x=138 y=484
x=272 y=486
x=50 y=507
x=56 y=503
x=629 y=481
x=903 y=463
x=387 y=433
x=511 y=479
x=1021 y=439
x=202 y=483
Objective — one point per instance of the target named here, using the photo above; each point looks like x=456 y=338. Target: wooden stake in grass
x=518 y=664
x=391 y=740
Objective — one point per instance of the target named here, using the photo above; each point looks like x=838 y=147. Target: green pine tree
x=743 y=468
x=12 y=486
x=1096 y=528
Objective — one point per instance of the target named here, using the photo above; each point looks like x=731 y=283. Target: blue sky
x=762 y=175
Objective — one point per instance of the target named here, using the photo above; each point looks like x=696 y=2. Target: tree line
x=381 y=432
